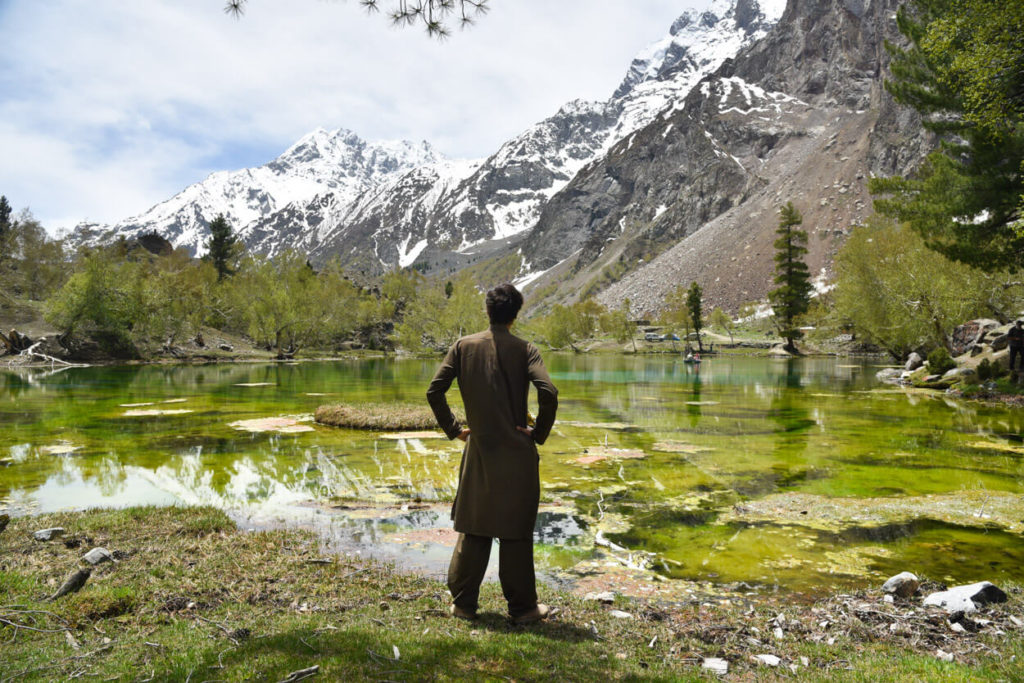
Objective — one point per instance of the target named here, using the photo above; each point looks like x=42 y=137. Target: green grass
x=192 y=598
x=377 y=416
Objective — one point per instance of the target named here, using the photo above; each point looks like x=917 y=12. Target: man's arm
x=443 y=378
x=547 y=395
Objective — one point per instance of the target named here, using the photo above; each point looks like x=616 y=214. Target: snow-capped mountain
x=693 y=196
x=378 y=206
x=336 y=163
x=503 y=196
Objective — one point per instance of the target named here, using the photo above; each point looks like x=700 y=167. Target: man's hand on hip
x=526 y=430
x=463 y=435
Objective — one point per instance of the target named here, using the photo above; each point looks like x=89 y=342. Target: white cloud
x=110 y=106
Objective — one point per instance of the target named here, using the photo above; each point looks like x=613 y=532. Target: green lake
x=798 y=474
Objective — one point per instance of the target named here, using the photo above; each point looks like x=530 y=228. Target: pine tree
x=221 y=246
x=6 y=241
x=693 y=297
x=961 y=70
x=433 y=15
x=792 y=297
x=5 y=218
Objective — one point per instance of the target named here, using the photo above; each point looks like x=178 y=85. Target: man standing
x=499 y=485
x=1016 y=335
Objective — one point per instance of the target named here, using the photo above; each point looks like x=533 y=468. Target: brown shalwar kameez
x=499 y=487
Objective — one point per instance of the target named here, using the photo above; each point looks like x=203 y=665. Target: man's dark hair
x=503 y=304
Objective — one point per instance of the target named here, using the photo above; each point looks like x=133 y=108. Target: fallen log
x=32 y=356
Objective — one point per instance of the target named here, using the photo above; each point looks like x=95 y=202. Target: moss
x=377 y=416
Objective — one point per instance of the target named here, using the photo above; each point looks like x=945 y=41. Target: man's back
x=498 y=481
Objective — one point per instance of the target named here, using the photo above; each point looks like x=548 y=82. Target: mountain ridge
x=394 y=198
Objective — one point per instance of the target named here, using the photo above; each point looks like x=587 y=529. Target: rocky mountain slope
x=800 y=115
x=378 y=206
x=336 y=163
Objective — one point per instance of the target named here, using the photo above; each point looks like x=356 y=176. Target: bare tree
x=433 y=15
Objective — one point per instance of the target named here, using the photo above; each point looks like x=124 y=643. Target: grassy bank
x=192 y=598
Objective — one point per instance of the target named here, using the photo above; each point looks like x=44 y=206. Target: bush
x=988 y=370
x=939 y=362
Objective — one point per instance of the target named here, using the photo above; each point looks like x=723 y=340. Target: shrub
x=988 y=370
x=939 y=362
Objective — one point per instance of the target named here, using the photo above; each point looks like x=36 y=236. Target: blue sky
x=110 y=106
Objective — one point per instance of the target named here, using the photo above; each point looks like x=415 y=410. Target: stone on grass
x=766 y=660
x=716 y=665
x=619 y=614
x=914 y=361
x=902 y=585
x=966 y=598
x=966 y=373
x=944 y=656
x=48 y=534
x=607 y=597
x=98 y=556
x=73 y=583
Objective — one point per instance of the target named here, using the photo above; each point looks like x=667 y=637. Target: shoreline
x=191 y=595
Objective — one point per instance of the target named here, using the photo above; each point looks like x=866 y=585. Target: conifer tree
x=792 y=297
x=433 y=15
x=693 y=303
x=6 y=239
x=962 y=72
x=221 y=246
x=5 y=218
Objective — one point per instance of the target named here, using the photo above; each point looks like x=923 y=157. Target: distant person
x=1016 y=335
x=499 y=484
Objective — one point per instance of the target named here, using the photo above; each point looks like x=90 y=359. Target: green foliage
x=32 y=265
x=5 y=220
x=400 y=287
x=963 y=72
x=565 y=325
x=675 y=318
x=694 y=306
x=105 y=299
x=283 y=304
x=222 y=247
x=987 y=370
x=721 y=320
x=893 y=291
x=940 y=362
x=619 y=324
x=433 y=321
x=792 y=297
